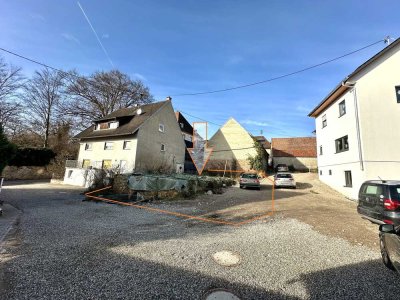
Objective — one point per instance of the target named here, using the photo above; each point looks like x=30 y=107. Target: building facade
x=358 y=125
x=299 y=153
x=139 y=139
x=232 y=145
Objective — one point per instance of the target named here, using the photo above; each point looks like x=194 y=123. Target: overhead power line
x=206 y=92
x=281 y=76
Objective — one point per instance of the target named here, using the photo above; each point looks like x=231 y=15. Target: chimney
x=168 y=98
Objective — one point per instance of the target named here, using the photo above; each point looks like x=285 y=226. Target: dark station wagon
x=379 y=201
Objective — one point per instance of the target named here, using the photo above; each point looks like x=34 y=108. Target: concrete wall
x=149 y=155
x=298 y=163
x=229 y=138
x=97 y=154
x=373 y=150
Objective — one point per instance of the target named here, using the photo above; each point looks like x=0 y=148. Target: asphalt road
x=64 y=248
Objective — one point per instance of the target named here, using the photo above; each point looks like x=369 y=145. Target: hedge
x=32 y=157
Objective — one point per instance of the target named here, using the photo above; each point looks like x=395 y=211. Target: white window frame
x=163 y=147
x=88 y=146
x=113 y=125
x=161 y=128
x=105 y=145
x=324 y=121
x=342 y=108
x=124 y=147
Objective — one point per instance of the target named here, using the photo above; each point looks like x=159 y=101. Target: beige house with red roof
x=136 y=139
x=299 y=153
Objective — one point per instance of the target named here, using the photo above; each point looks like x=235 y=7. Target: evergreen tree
x=7 y=150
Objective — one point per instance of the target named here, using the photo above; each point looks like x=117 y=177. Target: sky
x=179 y=47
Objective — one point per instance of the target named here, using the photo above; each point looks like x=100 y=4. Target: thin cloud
x=96 y=35
x=36 y=16
x=70 y=37
x=139 y=76
x=257 y=123
x=105 y=36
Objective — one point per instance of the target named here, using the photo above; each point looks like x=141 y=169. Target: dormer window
x=107 y=125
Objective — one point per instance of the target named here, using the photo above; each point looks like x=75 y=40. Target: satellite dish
x=139 y=111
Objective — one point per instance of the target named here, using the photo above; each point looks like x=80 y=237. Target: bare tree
x=102 y=93
x=11 y=80
x=43 y=93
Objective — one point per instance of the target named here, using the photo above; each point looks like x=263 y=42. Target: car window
x=395 y=192
x=373 y=190
x=250 y=176
x=284 y=175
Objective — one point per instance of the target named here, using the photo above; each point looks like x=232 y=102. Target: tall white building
x=358 y=125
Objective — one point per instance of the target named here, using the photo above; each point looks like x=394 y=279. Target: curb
x=7 y=220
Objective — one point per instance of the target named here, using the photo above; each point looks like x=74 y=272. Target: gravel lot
x=64 y=248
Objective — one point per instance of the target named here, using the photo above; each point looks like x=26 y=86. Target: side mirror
x=387 y=228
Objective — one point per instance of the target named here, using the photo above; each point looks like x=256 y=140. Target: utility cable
x=281 y=76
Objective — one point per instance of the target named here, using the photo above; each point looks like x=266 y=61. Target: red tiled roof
x=294 y=147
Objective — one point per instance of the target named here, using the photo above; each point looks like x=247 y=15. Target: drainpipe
x=354 y=91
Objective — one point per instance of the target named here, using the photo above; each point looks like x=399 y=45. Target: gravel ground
x=64 y=248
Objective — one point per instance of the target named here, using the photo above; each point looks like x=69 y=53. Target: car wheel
x=241 y=186
x=385 y=255
x=259 y=188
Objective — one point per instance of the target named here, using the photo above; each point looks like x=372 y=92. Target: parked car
x=284 y=180
x=389 y=237
x=249 y=180
x=379 y=201
x=282 y=168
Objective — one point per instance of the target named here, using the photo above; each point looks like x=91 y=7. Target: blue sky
x=180 y=47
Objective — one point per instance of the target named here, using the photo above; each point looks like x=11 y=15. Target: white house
x=358 y=125
x=137 y=139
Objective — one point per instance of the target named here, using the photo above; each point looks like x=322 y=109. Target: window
x=161 y=128
x=324 y=122
x=320 y=172
x=330 y=172
x=181 y=125
x=88 y=146
x=70 y=173
x=342 y=108
x=108 y=145
x=127 y=145
x=162 y=147
x=374 y=190
x=112 y=125
x=106 y=164
x=347 y=175
x=107 y=125
x=320 y=150
x=122 y=165
x=86 y=163
x=398 y=93
x=342 y=144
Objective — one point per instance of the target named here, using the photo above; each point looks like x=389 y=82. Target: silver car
x=250 y=180
x=284 y=180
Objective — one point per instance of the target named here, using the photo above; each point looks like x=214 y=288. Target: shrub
x=32 y=157
x=7 y=150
